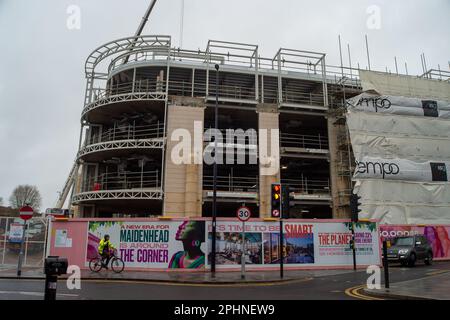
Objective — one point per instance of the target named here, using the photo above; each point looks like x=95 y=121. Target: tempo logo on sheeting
x=376 y=103
x=375 y=168
x=430 y=108
x=438 y=171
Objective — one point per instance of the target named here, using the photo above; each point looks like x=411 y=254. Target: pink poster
x=437 y=235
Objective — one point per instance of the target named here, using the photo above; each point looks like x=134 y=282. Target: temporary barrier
x=179 y=243
x=437 y=236
x=11 y=231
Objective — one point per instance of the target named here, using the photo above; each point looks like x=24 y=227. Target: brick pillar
x=267 y=119
x=183 y=182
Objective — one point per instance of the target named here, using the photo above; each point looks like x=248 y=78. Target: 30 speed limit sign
x=243 y=213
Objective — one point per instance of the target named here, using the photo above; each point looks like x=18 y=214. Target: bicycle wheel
x=117 y=265
x=95 y=264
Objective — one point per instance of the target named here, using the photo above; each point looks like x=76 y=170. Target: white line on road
x=31 y=293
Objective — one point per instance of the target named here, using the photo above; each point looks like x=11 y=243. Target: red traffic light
x=276 y=187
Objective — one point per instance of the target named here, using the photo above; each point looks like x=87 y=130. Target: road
x=337 y=287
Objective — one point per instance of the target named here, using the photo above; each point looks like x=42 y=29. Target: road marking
x=165 y=283
x=32 y=293
x=354 y=292
x=436 y=272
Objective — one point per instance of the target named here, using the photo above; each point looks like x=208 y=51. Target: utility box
x=55 y=266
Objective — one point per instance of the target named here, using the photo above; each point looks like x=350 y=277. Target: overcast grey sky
x=41 y=60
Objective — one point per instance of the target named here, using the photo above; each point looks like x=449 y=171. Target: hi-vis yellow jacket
x=104 y=244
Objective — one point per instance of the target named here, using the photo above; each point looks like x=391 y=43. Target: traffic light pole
x=354 y=212
x=280 y=248
x=214 y=213
x=281 y=236
x=353 y=246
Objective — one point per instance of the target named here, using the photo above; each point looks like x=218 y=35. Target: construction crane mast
x=141 y=26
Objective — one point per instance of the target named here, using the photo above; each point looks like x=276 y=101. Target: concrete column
x=267 y=119
x=183 y=182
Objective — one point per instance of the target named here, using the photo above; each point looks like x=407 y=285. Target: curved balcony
x=144 y=185
x=140 y=90
x=123 y=138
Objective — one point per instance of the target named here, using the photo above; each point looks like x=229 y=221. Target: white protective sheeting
x=402 y=160
x=402 y=85
x=399 y=202
x=400 y=105
x=398 y=126
x=401 y=169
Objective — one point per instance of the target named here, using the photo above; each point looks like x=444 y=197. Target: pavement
x=221 y=277
x=435 y=286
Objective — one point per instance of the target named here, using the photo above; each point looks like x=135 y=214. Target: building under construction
x=141 y=91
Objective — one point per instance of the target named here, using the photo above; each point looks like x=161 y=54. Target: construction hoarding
x=186 y=243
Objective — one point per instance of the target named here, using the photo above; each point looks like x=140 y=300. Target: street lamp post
x=214 y=213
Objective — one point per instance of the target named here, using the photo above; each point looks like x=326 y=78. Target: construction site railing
x=289 y=140
x=129 y=132
x=139 y=86
x=302 y=97
x=232 y=184
x=123 y=181
x=437 y=74
x=308 y=186
x=250 y=135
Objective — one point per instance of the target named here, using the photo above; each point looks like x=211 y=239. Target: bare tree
x=1 y=201
x=25 y=195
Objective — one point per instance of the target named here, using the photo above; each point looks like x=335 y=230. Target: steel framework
x=156 y=194
x=292 y=79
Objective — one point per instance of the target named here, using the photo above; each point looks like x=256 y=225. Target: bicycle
x=117 y=264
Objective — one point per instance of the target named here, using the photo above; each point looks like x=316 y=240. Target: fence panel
x=10 y=240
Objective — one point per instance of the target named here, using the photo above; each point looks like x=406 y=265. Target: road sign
x=26 y=212
x=15 y=233
x=275 y=213
x=243 y=213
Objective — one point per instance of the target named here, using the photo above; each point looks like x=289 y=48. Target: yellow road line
x=433 y=273
x=354 y=292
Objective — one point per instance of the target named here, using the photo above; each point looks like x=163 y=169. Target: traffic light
x=354 y=206
x=285 y=190
x=351 y=244
x=276 y=200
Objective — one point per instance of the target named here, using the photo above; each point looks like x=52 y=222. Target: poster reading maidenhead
x=178 y=244
x=154 y=244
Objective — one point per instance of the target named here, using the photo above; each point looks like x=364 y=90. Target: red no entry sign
x=26 y=212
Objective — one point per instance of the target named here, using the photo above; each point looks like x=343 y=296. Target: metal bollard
x=53 y=267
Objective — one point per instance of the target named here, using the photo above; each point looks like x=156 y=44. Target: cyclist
x=105 y=249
